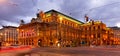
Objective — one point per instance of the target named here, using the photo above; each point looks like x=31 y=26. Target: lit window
x=58 y=20
x=64 y=22
x=68 y=23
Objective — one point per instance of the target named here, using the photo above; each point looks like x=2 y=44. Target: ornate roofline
x=63 y=14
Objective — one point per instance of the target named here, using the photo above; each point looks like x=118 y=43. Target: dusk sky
x=12 y=11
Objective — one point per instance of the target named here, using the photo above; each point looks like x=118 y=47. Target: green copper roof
x=64 y=15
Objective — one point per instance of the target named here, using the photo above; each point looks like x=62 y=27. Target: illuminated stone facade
x=50 y=29
x=53 y=28
x=116 y=31
x=9 y=35
x=1 y=36
x=96 y=33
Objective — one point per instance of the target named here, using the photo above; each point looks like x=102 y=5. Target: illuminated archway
x=39 y=42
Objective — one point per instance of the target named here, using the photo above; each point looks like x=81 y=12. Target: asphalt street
x=70 y=51
x=76 y=51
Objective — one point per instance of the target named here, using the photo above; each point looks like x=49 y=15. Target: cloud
x=118 y=24
x=75 y=8
x=107 y=11
x=13 y=10
x=46 y=5
x=104 y=10
x=109 y=14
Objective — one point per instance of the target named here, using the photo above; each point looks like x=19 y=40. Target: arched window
x=46 y=20
x=98 y=27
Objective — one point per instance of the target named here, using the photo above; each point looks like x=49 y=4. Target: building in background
x=53 y=28
x=116 y=31
x=1 y=36
x=33 y=33
x=9 y=36
x=96 y=33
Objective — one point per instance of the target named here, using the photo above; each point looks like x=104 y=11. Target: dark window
x=93 y=28
x=98 y=35
x=85 y=28
x=98 y=27
x=89 y=28
x=94 y=36
x=46 y=20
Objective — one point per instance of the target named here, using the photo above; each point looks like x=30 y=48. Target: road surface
x=76 y=51
x=70 y=51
